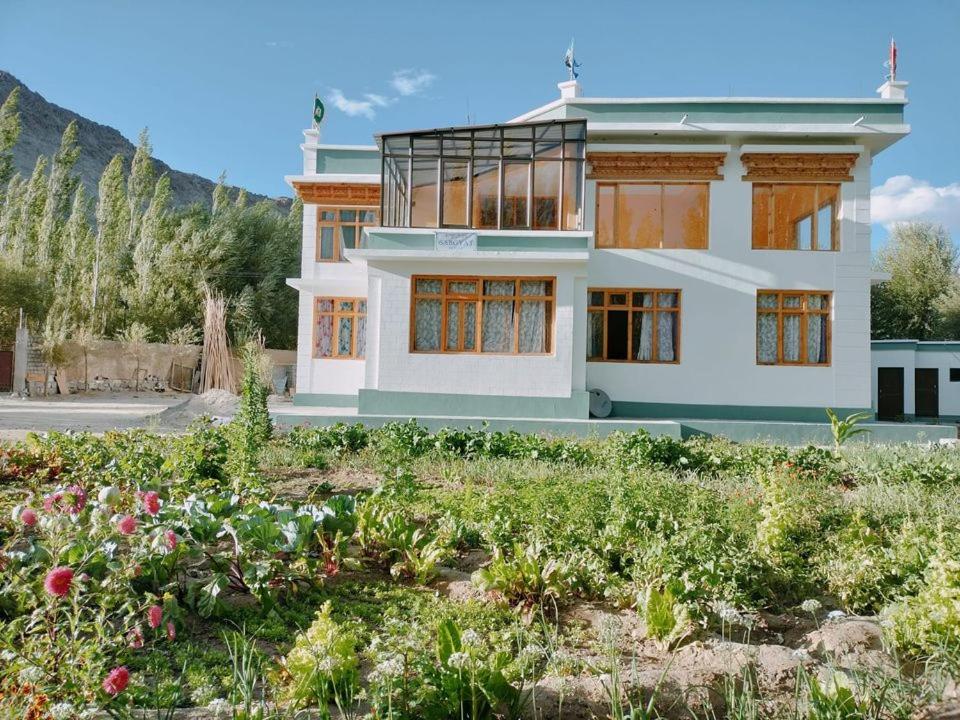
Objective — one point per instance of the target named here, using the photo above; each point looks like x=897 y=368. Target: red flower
x=116 y=681
x=171 y=537
x=151 y=502
x=73 y=500
x=28 y=517
x=127 y=525
x=57 y=582
x=155 y=616
x=171 y=631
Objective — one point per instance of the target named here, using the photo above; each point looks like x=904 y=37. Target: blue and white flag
x=571 y=62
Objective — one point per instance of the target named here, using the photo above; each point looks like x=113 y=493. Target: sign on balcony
x=455 y=240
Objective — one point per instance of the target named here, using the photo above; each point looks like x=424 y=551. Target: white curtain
x=324 y=336
x=666 y=336
x=344 y=336
x=767 y=337
x=427 y=329
x=816 y=339
x=595 y=335
x=497 y=326
x=645 y=351
x=791 y=338
x=533 y=326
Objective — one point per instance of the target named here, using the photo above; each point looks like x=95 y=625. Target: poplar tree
x=31 y=214
x=9 y=133
x=139 y=185
x=143 y=294
x=10 y=212
x=110 y=251
x=221 y=196
x=71 y=301
x=60 y=189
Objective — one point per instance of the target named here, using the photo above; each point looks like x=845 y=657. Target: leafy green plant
x=665 y=618
x=528 y=575
x=930 y=620
x=847 y=428
x=252 y=428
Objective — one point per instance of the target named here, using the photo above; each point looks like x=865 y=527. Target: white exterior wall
x=718 y=308
x=931 y=356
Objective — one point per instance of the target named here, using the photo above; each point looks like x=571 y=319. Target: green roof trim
x=917 y=345
x=358 y=161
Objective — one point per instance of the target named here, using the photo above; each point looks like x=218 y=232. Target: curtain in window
x=643 y=322
x=816 y=339
x=325 y=336
x=667 y=328
x=791 y=338
x=595 y=335
x=767 y=337
x=497 y=317
x=427 y=330
x=533 y=326
x=362 y=331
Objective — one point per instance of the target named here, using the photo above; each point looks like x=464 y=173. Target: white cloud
x=903 y=198
x=378 y=100
x=411 y=82
x=353 y=107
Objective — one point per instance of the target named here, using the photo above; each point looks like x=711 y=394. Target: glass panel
x=791 y=338
x=792 y=301
x=638 y=216
x=533 y=326
x=828 y=197
x=572 y=185
x=499 y=287
x=344 y=335
x=429 y=286
x=455 y=192
x=792 y=216
x=362 y=306
x=617 y=299
x=667 y=299
x=766 y=300
x=424 y=212
x=349 y=235
x=427 y=325
x=515 y=177
x=497 y=326
x=345 y=306
x=643 y=299
x=546 y=193
x=685 y=216
x=325 y=305
x=762 y=224
x=535 y=287
x=596 y=298
x=642 y=336
x=604 y=221
x=462 y=287
x=368 y=217
x=328 y=215
x=816 y=339
x=326 y=243
x=324 y=337
x=361 y=336
x=348 y=216
x=486 y=184
x=818 y=302
x=617 y=334
x=595 y=334
x=666 y=336
x=453 y=326
x=766 y=337
x=470 y=326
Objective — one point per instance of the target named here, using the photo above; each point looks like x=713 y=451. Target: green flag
x=317 y=111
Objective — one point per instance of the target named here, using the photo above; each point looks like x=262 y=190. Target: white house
x=690 y=257
x=916 y=379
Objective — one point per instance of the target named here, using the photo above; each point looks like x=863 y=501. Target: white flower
x=31 y=674
x=802 y=655
x=459 y=660
x=810 y=606
x=470 y=638
x=62 y=711
x=109 y=495
x=219 y=706
x=388 y=668
x=836 y=615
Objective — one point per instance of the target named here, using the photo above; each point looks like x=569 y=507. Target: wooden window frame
x=804 y=312
x=834 y=221
x=336 y=224
x=336 y=313
x=445 y=296
x=616 y=184
x=655 y=309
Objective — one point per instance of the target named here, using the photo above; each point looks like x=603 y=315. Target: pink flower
x=171 y=631
x=72 y=500
x=171 y=538
x=57 y=582
x=116 y=681
x=155 y=616
x=135 y=638
x=127 y=525
x=151 y=502
x=50 y=500
x=28 y=517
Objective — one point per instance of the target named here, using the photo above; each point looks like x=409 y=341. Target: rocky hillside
x=42 y=123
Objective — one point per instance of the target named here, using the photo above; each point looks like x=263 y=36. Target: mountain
x=42 y=123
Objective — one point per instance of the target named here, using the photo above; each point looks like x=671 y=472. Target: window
x=340 y=328
x=652 y=215
x=341 y=228
x=482 y=314
x=633 y=326
x=521 y=176
x=793 y=328
x=795 y=217
x=954 y=374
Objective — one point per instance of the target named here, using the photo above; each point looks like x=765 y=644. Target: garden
x=234 y=571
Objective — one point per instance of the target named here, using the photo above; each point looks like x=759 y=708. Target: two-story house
x=689 y=257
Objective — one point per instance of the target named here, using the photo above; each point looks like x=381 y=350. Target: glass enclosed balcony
x=492 y=177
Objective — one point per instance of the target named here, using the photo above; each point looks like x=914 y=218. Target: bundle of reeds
x=216 y=367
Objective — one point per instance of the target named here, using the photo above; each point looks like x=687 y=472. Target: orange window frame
x=768 y=217
x=448 y=297
x=336 y=224
x=617 y=241
x=630 y=309
x=804 y=311
x=337 y=312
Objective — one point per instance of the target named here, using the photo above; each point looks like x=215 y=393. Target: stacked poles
x=216 y=368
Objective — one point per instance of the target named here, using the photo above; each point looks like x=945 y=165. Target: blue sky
x=229 y=85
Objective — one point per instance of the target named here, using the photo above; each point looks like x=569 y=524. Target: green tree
x=12 y=199
x=71 y=302
x=20 y=289
x=111 y=253
x=9 y=134
x=140 y=185
x=60 y=188
x=251 y=428
x=922 y=262
x=31 y=214
x=146 y=297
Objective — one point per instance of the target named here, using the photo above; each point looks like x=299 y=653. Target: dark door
x=889 y=393
x=6 y=370
x=927 y=392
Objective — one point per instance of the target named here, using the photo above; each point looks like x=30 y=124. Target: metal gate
x=6 y=370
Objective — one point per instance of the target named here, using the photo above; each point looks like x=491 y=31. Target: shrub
x=251 y=428
x=930 y=621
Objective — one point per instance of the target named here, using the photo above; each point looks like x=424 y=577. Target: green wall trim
x=675 y=411
x=355 y=160
x=386 y=240
x=918 y=345
x=410 y=404
x=325 y=400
